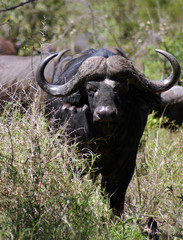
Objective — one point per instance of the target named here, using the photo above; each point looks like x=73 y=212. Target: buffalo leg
x=116 y=187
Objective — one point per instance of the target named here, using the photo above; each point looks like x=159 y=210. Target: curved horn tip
x=47 y=59
x=54 y=55
x=67 y=49
x=60 y=54
x=160 y=51
x=157 y=50
x=165 y=53
x=64 y=51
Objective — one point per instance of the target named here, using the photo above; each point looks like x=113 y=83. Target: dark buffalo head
x=106 y=101
x=101 y=79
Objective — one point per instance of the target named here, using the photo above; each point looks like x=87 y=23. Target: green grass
x=45 y=195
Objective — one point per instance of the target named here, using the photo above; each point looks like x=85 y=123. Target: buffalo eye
x=91 y=90
x=121 y=87
x=118 y=87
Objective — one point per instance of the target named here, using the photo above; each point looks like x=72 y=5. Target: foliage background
x=136 y=26
x=34 y=174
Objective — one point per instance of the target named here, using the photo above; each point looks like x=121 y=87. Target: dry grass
x=43 y=195
x=42 y=192
x=157 y=186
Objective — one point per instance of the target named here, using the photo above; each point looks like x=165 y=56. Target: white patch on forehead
x=110 y=82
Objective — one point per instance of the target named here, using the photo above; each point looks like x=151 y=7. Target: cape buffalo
x=171 y=106
x=105 y=102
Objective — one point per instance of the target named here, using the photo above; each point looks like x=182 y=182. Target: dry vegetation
x=157 y=187
x=45 y=195
x=42 y=192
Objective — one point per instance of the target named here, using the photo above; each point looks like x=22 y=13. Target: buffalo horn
x=163 y=85
x=78 y=79
x=57 y=90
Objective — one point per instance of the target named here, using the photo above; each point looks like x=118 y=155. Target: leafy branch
x=14 y=7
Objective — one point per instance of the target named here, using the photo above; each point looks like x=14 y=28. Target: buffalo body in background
x=105 y=102
x=171 y=106
x=17 y=78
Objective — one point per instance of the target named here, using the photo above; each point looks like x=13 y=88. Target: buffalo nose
x=105 y=114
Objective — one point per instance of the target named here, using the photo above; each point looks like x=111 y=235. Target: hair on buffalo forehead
x=72 y=64
x=113 y=66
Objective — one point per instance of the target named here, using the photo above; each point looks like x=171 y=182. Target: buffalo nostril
x=105 y=114
x=98 y=115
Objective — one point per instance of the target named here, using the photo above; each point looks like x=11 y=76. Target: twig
x=93 y=23
x=138 y=185
x=12 y=148
x=14 y=7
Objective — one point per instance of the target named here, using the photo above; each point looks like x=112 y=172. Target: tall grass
x=157 y=186
x=42 y=193
x=45 y=195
